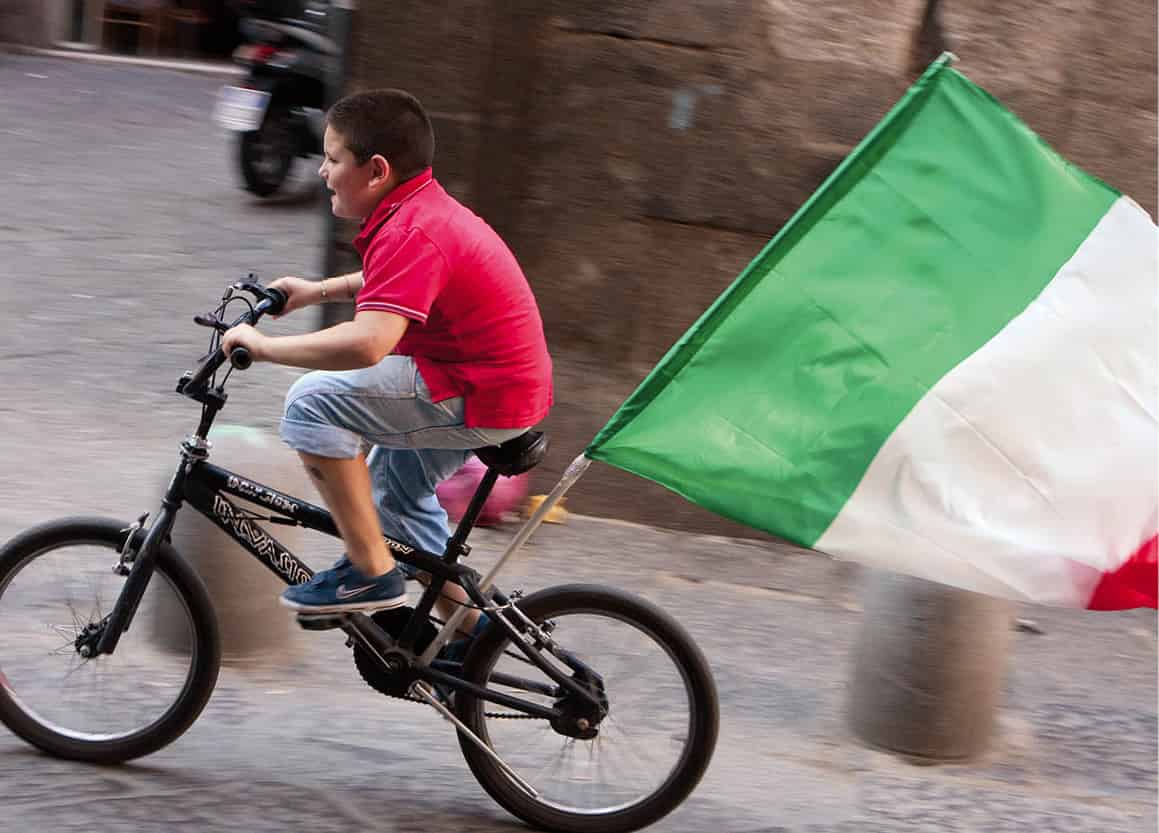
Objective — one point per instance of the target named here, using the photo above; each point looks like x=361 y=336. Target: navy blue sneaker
x=343 y=589
x=342 y=565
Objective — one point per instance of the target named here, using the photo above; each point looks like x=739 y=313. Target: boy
x=446 y=353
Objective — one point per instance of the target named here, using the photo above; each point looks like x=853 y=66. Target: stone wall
x=636 y=155
x=25 y=22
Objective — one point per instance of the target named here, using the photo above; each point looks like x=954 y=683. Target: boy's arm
x=340 y=287
x=351 y=345
x=303 y=293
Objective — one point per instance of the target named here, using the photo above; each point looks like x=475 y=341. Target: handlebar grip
x=277 y=300
x=240 y=358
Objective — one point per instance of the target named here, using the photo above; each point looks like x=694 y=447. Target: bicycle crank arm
x=423 y=691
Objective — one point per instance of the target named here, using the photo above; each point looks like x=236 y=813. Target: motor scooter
x=276 y=112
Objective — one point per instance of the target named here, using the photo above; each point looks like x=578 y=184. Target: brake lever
x=252 y=287
x=210 y=320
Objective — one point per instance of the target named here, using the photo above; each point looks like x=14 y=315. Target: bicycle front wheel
x=590 y=773
x=57 y=587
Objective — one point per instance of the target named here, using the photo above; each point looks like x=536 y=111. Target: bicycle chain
x=496 y=715
x=376 y=680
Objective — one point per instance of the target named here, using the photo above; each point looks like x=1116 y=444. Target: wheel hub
x=87 y=640
x=578 y=717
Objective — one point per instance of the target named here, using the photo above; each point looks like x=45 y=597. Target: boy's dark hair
x=390 y=123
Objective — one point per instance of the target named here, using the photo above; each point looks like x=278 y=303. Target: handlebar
x=270 y=301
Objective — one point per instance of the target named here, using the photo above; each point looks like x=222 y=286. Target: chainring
x=396 y=683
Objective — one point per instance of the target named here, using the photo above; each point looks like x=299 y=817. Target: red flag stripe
x=1134 y=584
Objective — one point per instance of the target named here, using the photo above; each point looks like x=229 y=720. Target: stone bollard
x=244 y=592
x=929 y=668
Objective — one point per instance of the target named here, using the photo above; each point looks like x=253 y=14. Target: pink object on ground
x=456 y=491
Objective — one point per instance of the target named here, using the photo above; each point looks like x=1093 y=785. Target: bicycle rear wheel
x=57 y=587
x=615 y=774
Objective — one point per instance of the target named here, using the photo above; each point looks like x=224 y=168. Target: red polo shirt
x=474 y=328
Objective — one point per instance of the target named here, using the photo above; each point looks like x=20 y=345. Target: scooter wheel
x=267 y=154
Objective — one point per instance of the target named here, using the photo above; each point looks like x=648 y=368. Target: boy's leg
x=327 y=416
x=345 y=488
x=374 y=583
x=403 y=482
x=404 y=491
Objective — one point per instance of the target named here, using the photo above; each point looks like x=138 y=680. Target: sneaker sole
x=350 y=607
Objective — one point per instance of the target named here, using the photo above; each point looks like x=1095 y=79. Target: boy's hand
x=299 y=293
x=243 y=335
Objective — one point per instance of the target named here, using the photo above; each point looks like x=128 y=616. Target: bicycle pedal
x=321 y=621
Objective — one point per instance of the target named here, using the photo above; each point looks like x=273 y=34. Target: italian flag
x=945 y=365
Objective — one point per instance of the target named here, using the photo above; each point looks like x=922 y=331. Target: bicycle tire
x=704 y=710
x=109 y=534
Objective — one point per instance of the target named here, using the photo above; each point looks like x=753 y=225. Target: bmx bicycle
x=579 y=708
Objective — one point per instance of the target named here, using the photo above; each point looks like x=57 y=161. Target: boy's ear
x=380 y=170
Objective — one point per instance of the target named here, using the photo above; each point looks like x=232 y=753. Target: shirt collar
x=391 y=202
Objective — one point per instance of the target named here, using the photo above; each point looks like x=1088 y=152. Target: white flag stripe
x=1030 y=470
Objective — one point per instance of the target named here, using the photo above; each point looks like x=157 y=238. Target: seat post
x=457 y=545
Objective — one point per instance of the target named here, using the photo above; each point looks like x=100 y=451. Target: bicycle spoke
x=80 y=663
x=613 y=723
x=76 y=620
x=69 y=637
x=564 y=749
x=594 y=763
x=623 y=774
x=632 y=752
x=607 y=771
x=99 y=684
x=97 y=599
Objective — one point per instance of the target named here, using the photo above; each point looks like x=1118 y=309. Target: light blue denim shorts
x=332 y=413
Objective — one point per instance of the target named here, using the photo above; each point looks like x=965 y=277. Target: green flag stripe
x=843 y=178
x=947 y=220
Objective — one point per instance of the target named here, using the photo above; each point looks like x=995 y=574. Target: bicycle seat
x=516 y=455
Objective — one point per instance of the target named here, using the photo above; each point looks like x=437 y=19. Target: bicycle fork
x=119 y=619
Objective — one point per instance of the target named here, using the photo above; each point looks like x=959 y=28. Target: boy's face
x=355 y=189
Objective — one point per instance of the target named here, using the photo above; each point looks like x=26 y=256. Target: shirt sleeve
x=403 y=272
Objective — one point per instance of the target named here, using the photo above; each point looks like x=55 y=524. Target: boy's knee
x=298 y=405
x=317 y=421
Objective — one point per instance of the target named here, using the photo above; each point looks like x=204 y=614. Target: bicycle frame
x=207 y=488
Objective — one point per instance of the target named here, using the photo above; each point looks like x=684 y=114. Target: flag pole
x=573 y=473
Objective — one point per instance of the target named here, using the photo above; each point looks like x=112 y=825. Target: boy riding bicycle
x=445 y=353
